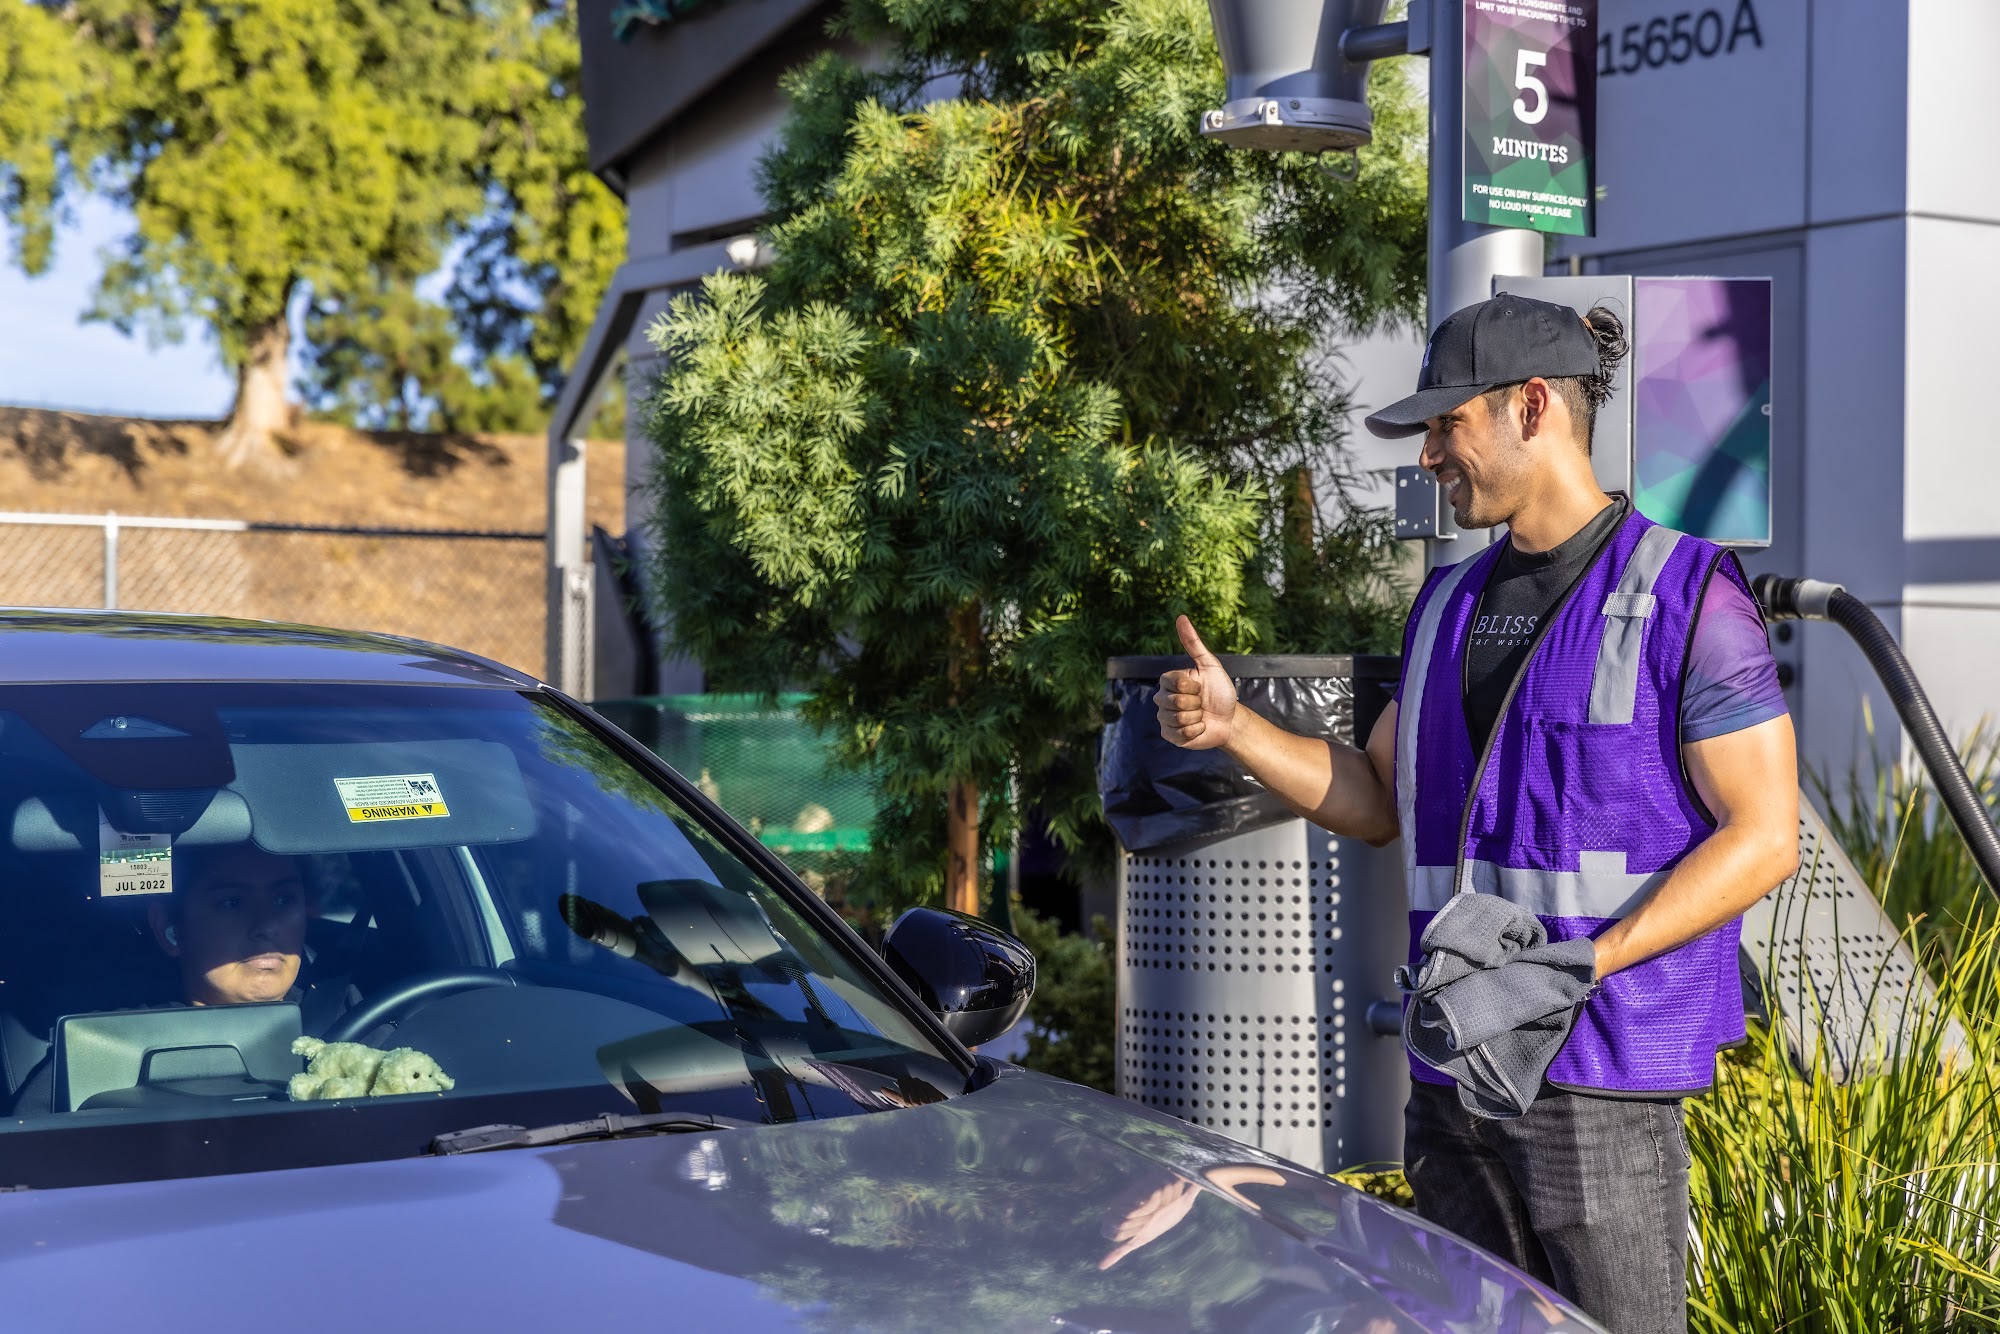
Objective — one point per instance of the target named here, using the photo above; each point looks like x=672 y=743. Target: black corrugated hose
x=1814 y=600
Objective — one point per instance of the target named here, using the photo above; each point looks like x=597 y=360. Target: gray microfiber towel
x=1492 y=1001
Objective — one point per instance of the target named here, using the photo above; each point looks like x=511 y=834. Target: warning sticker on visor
x=129 y=864
x=391 y=797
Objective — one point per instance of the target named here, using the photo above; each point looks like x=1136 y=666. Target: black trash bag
x=1155 y=793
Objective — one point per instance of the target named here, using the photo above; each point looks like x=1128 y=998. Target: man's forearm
x=1328 y=782
x=1730 y=870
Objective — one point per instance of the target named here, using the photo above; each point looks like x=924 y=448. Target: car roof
x=42 y=645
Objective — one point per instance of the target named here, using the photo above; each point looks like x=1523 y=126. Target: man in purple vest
x=1589 y=724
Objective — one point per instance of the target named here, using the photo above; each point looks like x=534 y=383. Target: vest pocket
x=1593 y=783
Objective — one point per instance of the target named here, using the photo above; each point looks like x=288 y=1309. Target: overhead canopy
x=632 y=88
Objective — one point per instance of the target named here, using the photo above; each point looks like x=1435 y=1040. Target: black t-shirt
x=1522 y=590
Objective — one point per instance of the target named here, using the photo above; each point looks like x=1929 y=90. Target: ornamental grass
x=1899 y=837
x=1863 y=1206
x=1872 y=1204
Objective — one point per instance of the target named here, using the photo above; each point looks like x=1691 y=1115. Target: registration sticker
x=391 y=797
x=131 y=864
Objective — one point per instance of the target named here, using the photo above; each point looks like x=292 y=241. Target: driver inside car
x=235 y=923
x=236 y=926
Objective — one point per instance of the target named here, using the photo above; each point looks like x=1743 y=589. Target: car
x=350 y=981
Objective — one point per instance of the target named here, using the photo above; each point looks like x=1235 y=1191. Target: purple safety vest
x=1580 y=805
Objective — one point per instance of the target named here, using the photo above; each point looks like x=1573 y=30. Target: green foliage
x=1024 y=382
x=279 y=150
x=536 y=263
x=1905 y=846
x=1857 y=1206
x=1342 y=592
x=45 y=75
x=1074 y=1013
x=527 y=272
x=262 y=146
x=393 y=360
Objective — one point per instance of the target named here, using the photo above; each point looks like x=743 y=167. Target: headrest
x=56 y=825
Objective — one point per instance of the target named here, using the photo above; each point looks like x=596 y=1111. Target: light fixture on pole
x=1298 y=72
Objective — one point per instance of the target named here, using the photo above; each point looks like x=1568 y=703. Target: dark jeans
x=1589 y=1195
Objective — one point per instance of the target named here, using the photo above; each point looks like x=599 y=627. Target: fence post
x=111 y=560
x=579 y=659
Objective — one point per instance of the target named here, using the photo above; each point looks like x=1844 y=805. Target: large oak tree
x=276 y=152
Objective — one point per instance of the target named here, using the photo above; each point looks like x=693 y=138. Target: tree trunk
x=961 y=881
x=251 y=433
x=1301 y=512
x=961 y=885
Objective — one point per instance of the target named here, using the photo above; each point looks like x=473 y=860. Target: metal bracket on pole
x=1379 y=41
x=1420 y=508
x=1419 y=42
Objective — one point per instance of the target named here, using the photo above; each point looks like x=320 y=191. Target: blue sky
x=49 y=358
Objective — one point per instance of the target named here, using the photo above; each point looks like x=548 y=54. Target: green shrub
x=1074 y=1012
x=1384 y=1183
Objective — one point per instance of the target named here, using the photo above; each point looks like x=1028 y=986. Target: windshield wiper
x=611 y=1125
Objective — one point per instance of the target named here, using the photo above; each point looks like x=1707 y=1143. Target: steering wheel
x=411 y=992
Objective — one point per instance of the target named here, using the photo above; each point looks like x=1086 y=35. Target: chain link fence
x=479 y=591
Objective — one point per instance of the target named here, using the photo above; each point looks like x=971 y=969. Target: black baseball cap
x=1503 y=341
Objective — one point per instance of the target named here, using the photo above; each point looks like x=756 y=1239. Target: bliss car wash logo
x=1491 y=629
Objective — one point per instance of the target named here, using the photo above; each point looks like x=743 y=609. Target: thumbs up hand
x=1198 y=706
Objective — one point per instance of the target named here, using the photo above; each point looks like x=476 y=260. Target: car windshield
x=334 y=922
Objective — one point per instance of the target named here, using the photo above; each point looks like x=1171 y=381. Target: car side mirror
x=970 y=974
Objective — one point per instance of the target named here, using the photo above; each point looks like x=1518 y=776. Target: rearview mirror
x=970 y=974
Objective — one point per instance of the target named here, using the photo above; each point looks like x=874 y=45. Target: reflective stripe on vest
x=1601 y=888
x=1410 y=709
x=1615 y=684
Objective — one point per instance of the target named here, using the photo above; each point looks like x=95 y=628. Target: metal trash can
x=1251 y=943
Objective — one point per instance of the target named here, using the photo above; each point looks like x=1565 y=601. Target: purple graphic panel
x=1701 y=428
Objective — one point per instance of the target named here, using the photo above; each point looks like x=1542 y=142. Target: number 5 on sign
x=1530 y=114
x=1524 y=62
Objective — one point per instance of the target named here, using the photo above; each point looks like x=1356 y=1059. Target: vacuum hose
x=1814 y=600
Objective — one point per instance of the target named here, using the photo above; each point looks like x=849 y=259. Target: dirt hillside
x=76 y=463
x=483 y=594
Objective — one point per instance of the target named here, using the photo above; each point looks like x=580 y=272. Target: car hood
x=1030 y=1204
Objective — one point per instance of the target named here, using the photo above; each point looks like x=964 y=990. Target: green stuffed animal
x=350 y=1070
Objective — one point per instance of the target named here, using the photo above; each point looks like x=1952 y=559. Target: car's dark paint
x=77 y=646
x=995 y=1211
x=967 y=972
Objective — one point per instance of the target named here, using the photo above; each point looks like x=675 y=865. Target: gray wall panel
x=1707 y=147
x=1860 y=84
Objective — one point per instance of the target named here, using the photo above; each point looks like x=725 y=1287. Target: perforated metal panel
x=1245 y=968
x=1829 y=962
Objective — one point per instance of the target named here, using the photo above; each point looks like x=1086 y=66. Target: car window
x=206 y=889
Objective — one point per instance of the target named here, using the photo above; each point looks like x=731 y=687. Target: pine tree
x=1026 y=380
